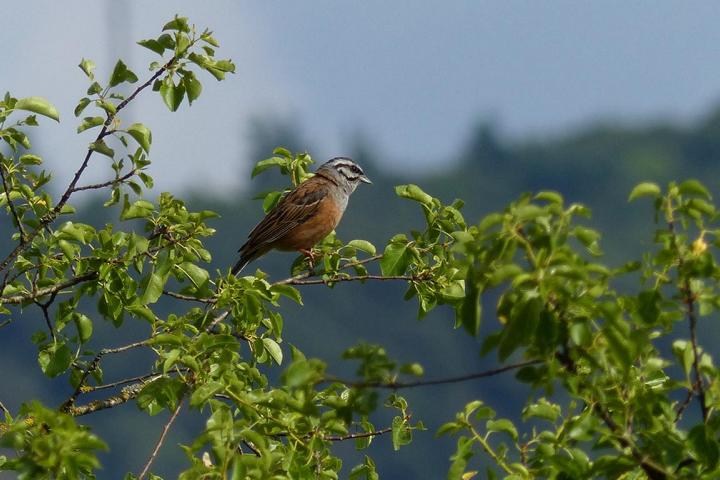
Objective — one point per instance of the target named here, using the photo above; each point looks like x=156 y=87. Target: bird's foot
x=309 y=257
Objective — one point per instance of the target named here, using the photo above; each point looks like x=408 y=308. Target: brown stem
x=699 y=385
x=440 y=381
x=51 y=290
x=10 y=203
x=127 y=394
x=68 y=404
x=161 y=440
x=356 y=278
x=109 y=183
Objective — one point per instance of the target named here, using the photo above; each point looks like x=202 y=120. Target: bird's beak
x=365 y=179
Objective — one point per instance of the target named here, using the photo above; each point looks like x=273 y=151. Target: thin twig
x=126 y=394
x=67 y=404
x=189 y=298
x=352 y=436
x=4 y=408
x=160 y=441
x=148 y=377
x=684 y=405
x=394 y=385
x=355 y=278
x=45 y=306
x=699 y=385
x=311 y=273
x=53 y=289
x=10 y=203
x=109 y=183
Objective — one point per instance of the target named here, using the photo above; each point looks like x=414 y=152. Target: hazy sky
x=413 y=76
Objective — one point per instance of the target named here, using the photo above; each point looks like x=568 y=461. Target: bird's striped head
x=345 y=171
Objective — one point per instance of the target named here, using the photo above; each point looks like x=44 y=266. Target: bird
x=306 y=214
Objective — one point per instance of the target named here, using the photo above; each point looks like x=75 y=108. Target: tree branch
x=311 y=273
x=10 y=203
x=109 y=183
x=394 y=385
x=161 y=440
x=67 y=405
x=189 y=298
x=352 y=278
x=699 y=385
x=128 y=393
x=53 y=289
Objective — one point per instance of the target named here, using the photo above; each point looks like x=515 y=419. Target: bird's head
x=345 y=172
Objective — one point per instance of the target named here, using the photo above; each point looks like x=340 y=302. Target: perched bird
x=306 y=214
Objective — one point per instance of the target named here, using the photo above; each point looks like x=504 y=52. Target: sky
x=414 y=77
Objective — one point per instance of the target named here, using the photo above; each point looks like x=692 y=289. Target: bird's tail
x=237 y=268
x=247 y=256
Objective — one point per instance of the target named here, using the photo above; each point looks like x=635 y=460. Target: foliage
x=609 y=391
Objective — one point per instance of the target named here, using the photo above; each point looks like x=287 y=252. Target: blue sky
x=413 y=76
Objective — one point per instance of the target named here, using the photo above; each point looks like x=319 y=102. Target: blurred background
x=472 y=100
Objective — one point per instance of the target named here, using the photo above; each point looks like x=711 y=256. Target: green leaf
x=193 y=87
x=363 y=245
x=502 y=425
x=55 y=359
x=30 y=159
x=288 y=291
x=643 y=190
x=121 y=73
x=84 y=102
x=273 y=349
x=153 y=45
x=38 y=105
x=542 y=409
x=263 y=165
x=84 y=327
x=694 y=187
x=198 y=275
x=90 y=122
x=401 y=433
x=703 y=446
x=88 y=66
x=101 y=147
x=413 y=192
x=178 y=23
x=171 y=94
x=153 y=287
x=470 y=310
x=141 y=134
x=396 y=259
x=299 y=373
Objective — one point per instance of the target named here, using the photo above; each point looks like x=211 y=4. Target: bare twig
x=684 y=405
x=311 y=273
x=355 y=278
x=699 y=385
x=351 y=436
x=109 y=183
x=68 y=404
x=51 y=290
x=126 y=394
x=147 y=378
x=688 y=298
x=4 y=408
x=45 y=307
x=189 y=298
x=11 y=204
x=394 y=385
x=160 y=441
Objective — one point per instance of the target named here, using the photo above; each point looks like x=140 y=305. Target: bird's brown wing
x=292 y=210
